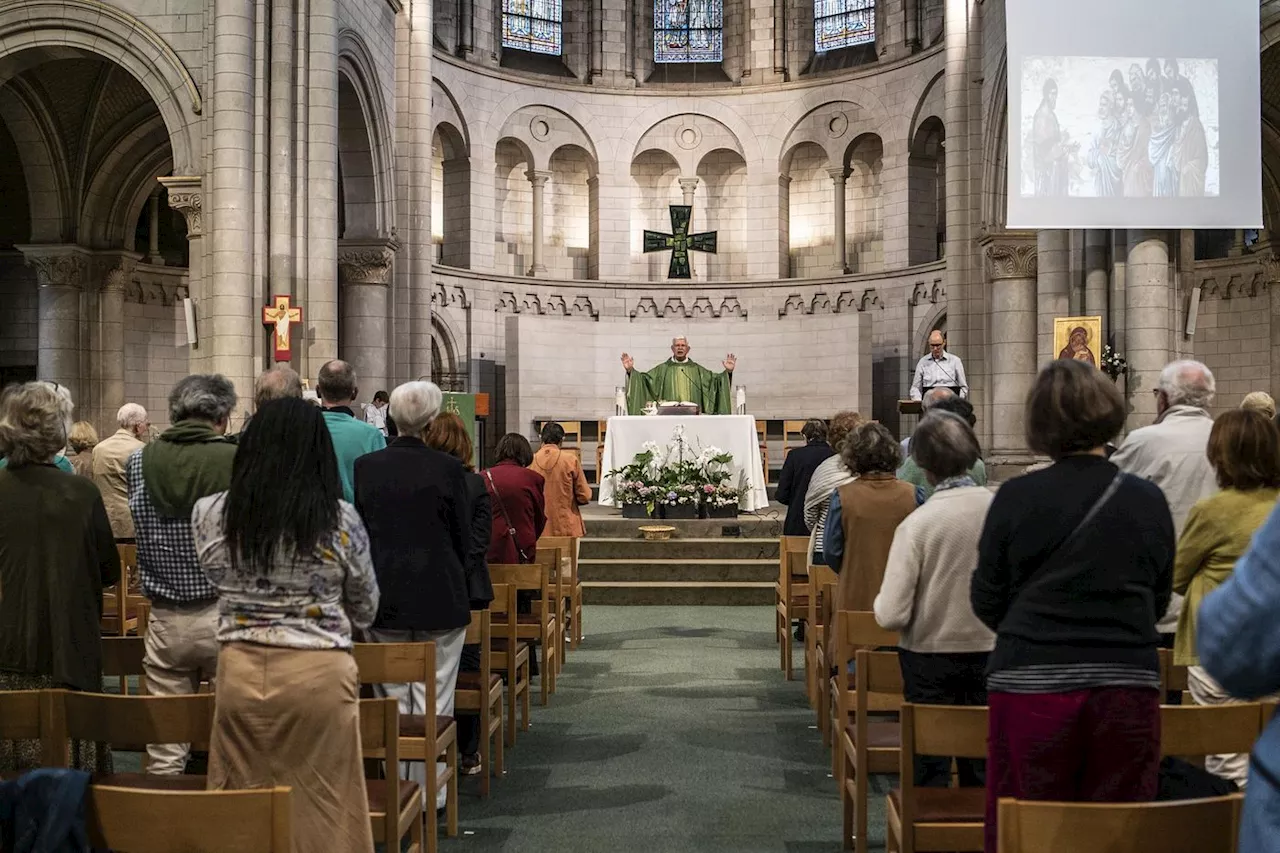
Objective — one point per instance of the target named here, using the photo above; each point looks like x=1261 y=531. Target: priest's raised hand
x=628 y=362
x=730 y=362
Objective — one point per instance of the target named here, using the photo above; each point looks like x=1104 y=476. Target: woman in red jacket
x=519 y=513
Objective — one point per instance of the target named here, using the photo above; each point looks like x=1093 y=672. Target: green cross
x=681 y=242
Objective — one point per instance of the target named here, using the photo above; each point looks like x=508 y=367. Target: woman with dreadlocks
x=291 y=562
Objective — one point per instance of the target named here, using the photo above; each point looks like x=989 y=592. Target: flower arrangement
x=721 y=496
x=677 y=476
x=1113 y=363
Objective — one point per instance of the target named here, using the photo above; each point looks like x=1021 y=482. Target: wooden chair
x=601 y=428
x=395 y=804
x=540 y=625
x=851 y=630
x=822 y=583
x=480 y=694
x=762 y=438
x=25 y=715
x=567 y=573
x=937 y=818
x=130 y=723
x=148 y=821
x=551 y=558
x=1194 y=731
x=1173 y=677
x=792 y=437
x=122 y=658
x=1185 y=826
x=868 y=747
x=422 y=737
x=790 y=592
x=510 y=656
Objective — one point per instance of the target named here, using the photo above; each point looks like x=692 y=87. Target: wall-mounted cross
x=279 y=317
x=680 y=242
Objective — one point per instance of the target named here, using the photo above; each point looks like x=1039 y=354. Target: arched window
x=688 y=30
x=843 y=23
x=533 y=25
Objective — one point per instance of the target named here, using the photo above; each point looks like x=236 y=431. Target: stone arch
x=572 y=214
x=995 y=150
x=929 y=97
x=543 y=130
x=809 y=203
x=831 y=125
x=366 y=182
x=654 y=186
x=122 y=182
x=512 y=206
x=62 y=27
x=927 y=193
x=864 y=203
x=446 y=369
x=451 y=196
x=872 y=115
x=445 y=109
x=689 y=138
x=40 y=152
x=723 y=187
x=708 y=108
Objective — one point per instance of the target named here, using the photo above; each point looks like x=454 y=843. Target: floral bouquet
x=1113 y=364
x=721 y=496
x=682 y=494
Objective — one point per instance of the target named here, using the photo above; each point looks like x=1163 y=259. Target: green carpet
x=672 y=729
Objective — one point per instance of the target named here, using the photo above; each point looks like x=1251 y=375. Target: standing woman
x=80 y=442
x=797 y=472
x=56 y=554
x=519 y=508
x=449 y=435
x=1075 y=564
x=565 y=487
x=1244 y=450
x=290 y=560
x=414 y=501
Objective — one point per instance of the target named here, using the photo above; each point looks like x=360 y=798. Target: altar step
x=698 y=566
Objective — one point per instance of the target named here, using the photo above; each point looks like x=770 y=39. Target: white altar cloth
x=733 y=433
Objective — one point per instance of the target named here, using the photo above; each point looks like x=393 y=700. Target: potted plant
x=636 y=483
x=679 y=501
x=636 y=498
x=721 y=501
x=1113 y=363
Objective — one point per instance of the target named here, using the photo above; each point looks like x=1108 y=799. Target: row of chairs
x=872 y=730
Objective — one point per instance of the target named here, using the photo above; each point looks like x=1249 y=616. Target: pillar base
x=536 y=268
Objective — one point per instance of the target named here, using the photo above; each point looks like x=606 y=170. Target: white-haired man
x=680 y=379
x=1173 y=452
x=109 y=458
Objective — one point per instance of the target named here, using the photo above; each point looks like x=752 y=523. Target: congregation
x=268 y=555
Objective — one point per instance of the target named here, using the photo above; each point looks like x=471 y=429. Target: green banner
x=464 y=406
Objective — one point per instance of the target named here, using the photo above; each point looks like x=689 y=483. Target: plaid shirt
x=167 y=560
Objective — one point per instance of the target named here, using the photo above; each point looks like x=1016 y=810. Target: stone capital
x=366 y=261
x=186 y=195
x=538 y=177
x=114 y=270
x=1011 y=254
x=689 y=184
x=57 y=264
x=838 y=174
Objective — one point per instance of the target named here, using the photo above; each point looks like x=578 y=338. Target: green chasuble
x=679 y=382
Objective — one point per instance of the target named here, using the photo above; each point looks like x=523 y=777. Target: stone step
x=678 y=570
x=744 y=526
x=692 y=548
x=695 y=593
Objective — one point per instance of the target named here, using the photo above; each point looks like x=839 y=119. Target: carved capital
x=115 y=270
x=57 y=265
x=186 y=195
x=1011 y=255
x=366 y=261
x=537 y=177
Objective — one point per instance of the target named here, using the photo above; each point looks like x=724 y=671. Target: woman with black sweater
x=1075 y=564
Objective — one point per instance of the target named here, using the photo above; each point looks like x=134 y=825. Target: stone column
x=412 y=294
x=1053 y=288
x=1147 y=320
x=538 y=179
x=1097 y=278
x=364 y=273
x=1013 y=270
x=153 y=230
x=61 y=274
x=187 y=197
x=1117 y=321
x=839 y=181
x=115 y=271
x=229 y=322
x=913 y=25
x=688 y=186
x=784 y=226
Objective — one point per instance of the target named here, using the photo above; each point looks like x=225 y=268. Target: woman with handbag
x=1075 y=565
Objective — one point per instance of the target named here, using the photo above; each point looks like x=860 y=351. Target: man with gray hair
x=930 y=399
x=109 y=459
x=1173 y=452
x=352 y=437
x=190 y=460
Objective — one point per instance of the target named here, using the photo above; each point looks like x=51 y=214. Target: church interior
x=461 y=193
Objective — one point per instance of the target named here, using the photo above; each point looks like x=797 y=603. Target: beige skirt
x=291 y=717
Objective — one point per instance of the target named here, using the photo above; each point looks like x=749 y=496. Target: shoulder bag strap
x=502 y=508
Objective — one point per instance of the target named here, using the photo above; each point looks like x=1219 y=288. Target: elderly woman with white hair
x=414 y=503
x=58 y=554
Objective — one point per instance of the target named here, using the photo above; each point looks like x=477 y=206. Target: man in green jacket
x=352 y=437
x=190 y=460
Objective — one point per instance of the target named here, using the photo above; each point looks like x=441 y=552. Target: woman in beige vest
x=865 y=514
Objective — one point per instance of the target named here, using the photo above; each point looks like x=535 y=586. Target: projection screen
x=1134 y=114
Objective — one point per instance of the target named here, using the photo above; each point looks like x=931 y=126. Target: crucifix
x=680 y=242
x=279 y=317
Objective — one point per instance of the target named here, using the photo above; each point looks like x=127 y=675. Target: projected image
x=1099 y=127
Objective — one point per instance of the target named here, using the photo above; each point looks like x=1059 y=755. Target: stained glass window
x=688 y=30
x=533 y=25
x=843 y=23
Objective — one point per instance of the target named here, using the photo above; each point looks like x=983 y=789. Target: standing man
x=375 y=413
x=939 y=369
x=1173 y=452
x=190 y=460
x=680 y=379
x=109 y=460
x=352 y=437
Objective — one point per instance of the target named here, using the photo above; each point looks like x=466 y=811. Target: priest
x=680 y=380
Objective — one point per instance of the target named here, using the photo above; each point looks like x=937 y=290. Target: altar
x=735 y=434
